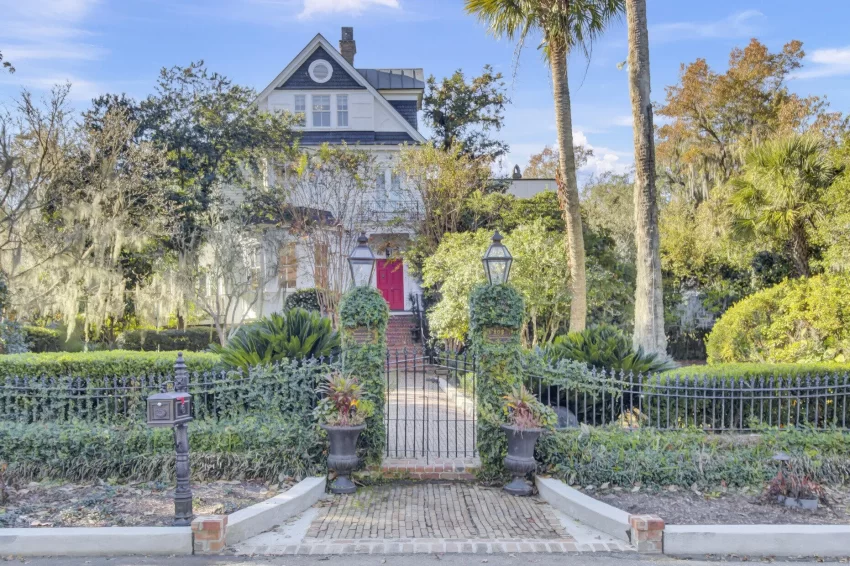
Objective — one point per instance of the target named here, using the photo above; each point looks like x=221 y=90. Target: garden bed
x=52 y=504
x=743 y=506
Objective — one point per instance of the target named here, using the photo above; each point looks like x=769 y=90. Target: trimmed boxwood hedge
x=189 y=340
x=89 y=365
x=261 y=447
x=746 y=370
x=42 y=339
x=593 y=456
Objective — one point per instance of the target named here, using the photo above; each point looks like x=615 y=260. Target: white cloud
x=603 y=160
x=315 y=7
x=740 y=24
x=828 y=63
x=627 y=121
x=47 y=30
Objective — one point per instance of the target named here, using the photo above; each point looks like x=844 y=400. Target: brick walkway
x=436 y=510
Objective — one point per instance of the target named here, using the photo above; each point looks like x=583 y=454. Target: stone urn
x=520 y=459
x=343 y=456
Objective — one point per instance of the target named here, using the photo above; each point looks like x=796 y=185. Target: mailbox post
x=174 y=409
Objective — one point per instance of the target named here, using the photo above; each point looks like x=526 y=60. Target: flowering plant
x=342 y=402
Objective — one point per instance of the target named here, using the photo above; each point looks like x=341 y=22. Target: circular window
x=320 y=71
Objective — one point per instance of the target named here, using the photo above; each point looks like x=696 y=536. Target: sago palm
x=780 y=193
x=565 y=26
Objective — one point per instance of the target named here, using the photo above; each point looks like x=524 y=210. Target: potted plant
x=342 y=413
x=793 y=490
x=527 y=419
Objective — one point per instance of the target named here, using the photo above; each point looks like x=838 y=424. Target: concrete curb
x=600 y=516
x=758 y=540
x=263 y=516
x=96 y=541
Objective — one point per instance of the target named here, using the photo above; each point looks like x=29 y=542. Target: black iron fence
x=285 y=387
x=710 y=403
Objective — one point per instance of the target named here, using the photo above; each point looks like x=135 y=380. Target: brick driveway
x=436 y=510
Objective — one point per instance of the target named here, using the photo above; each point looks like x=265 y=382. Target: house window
x=301 y=109
x=320 y=267
x=320 y=71
x=381 y=186
x=342 y=110
x=288 y=267
x=322 y=111
x=394 y=195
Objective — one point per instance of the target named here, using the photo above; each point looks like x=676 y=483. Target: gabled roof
x=318 y=41
x=394 y=78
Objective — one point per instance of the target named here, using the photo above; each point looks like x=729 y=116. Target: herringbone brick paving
x=436 y=511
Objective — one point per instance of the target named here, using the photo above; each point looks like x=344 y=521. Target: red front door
x=391 y=282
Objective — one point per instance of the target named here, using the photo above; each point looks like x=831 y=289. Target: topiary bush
x=101 y=365
x=42 y=339
x=605 y=347
x=755 y=370
x=295 y=334
x=189 y=340
x=303 y=299
x=798 y=320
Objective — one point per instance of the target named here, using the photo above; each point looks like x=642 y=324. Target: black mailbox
x=169 y=409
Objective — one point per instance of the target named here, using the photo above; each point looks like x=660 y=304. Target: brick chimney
x=347 y=46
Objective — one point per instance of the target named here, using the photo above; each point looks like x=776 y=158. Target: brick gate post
x=363 y=315
x=495 y=319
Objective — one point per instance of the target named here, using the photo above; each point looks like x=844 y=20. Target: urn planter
x=520 y=459
x=343 y=456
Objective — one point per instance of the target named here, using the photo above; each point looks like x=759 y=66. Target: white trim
x=311 y=70
x=308 y=50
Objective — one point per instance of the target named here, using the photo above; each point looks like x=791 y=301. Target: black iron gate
x=430 y=405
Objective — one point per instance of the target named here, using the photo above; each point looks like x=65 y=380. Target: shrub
x=95 y=365
x=684 y=458
x=42 y=339
x=307 y=299
x=798 y=320
x=604 y=347
x=189 y=340
x=296 y=334
x=12 y=338
x=260 y=447
x=746 y=371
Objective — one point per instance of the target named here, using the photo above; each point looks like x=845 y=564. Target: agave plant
x=295 y=334
x=605 y=347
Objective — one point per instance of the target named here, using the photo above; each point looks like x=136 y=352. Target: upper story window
x=301 y=109
x=320 y=71
x=322 y=111
x=342 y=110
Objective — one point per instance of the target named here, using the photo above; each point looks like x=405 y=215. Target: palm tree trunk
x=649 y=301
x=568 y=186
x=800 y=249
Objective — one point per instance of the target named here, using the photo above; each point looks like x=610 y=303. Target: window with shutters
x=288 y=267
x=320 y=267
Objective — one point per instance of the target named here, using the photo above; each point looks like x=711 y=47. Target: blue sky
x=118 y=46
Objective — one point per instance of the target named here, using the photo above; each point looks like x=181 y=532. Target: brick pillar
x=647 y=533
x=208 y=532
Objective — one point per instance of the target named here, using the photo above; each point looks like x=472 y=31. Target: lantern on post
x=497 y=261
x=362 y=262
x=174 y=409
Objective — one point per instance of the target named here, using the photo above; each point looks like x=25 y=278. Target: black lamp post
x=497 y=261
x=362 y=262
x=174 y=409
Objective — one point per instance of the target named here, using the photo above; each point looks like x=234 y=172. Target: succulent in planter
x=527 y=418
x=342 y=413
x=793 y=490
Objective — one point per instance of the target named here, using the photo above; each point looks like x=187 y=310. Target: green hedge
x=748 y=370
x=88 y=365
x=189 y=340
x=252 y=447
x=594 y=456
x=798 y=320
x=42 y=339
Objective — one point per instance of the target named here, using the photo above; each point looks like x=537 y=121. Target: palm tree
x=649 y=301
x=565 y=25
x=780 y=193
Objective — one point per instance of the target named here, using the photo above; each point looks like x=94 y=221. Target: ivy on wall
x=499 y=309
x=364 y=313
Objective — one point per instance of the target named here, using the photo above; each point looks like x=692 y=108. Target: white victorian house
x=370 y=109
